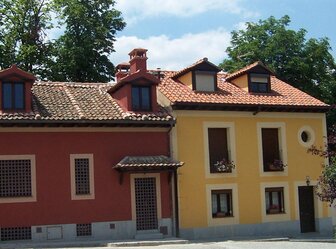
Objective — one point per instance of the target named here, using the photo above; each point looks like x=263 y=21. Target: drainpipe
x=176 y=205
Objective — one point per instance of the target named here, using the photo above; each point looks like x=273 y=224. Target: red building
x=82 y=160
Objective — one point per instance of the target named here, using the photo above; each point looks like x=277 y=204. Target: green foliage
x=81 y=53
x=23 y=24
x=306 y=64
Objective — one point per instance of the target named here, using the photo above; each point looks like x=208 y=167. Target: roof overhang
x=255 y=108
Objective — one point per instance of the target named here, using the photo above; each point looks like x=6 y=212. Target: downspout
x=176 y=206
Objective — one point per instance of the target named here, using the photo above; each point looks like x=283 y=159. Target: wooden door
x=306 y=208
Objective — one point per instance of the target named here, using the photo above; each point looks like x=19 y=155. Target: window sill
x=224 y=216
x=270 y=213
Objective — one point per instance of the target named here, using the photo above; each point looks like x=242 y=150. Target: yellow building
x=243 y=138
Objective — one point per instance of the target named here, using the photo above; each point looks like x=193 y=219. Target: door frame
x=158 y=194
x=318 y=205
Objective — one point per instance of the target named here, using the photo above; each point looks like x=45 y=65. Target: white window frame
x=282 y=147
x=311 y=136
x=74 y=196
x=231 y=147
x=212 y=221
x=285 y=216
x=31 y=198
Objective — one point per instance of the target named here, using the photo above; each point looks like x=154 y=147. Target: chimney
x=122 y=70
x=138 y=60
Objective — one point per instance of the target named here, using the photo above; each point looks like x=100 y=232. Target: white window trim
x=231 y=146
x=282 y=145
x=235 y=206
x=74 y=196
x=311 y=135
x=275 y=217
x=318 y=204
x=158 y=193
x=32 y=198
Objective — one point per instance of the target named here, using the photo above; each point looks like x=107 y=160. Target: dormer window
x=259 y=83
x=205 y=81
x=13 y=95
x=141 y=98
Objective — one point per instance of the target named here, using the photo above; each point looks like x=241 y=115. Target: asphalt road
x=236 y=245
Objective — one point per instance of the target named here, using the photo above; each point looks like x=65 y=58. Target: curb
x=147 y=243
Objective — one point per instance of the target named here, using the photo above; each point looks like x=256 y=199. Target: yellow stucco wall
x=186 y=79
x=241 y=82
x=188 y=146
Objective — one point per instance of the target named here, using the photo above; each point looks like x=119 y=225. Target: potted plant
x=277 y=165
x=224 y=165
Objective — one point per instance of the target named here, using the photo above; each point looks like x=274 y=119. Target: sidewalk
x=156 y=242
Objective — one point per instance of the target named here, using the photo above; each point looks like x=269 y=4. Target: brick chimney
x=122 y=70
x=138 y=60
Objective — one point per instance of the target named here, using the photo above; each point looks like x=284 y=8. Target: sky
x=179 y=32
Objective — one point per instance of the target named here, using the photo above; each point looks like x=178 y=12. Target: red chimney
x=122 y=70
x=138 y=60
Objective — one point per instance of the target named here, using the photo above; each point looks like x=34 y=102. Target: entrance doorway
x=306 y=209
x=146 y=203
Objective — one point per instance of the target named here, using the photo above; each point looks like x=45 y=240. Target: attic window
x=141 y=98
x=13 y=96
x=259 y=83
x=205 y=81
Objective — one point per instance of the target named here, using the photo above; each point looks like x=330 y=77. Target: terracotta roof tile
x=282 y=94
x=245 y=69
x=148 y=162
x=59 y=101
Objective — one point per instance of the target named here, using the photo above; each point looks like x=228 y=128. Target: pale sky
x=179 y=32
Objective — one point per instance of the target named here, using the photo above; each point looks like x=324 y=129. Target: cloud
x=176 y=53
x=133 y=11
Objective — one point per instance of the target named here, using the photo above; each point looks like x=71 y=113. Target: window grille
x=16 y=233
x=146 y=207
x=15 y=178
x=84 y=229
x=82 y=176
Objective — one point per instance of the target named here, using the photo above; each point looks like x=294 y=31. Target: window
x=271 y=150
x=13 y=96
x=218 y=150
x=15 y=233
x=221 y=201
x=82 y=185
x=141 y=98
x=17 y=179
x=259 y=83
x=83 y=229
x=306 y=136
x=205 y=81
x=274 y=200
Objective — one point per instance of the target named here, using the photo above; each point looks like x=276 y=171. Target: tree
x=326 y=189
x=81 y=53
x=306 y=64
x=23 y=24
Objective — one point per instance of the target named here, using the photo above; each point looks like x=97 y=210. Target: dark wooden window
x=259 y=83
x=13 y=96
x=218 y=147
x=274 y=200
x=271 y=149
x=15 y=178
x=141 y=98
x=221 y=201
x=82 y=176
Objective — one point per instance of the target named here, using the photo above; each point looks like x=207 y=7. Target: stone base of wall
x=324 y=227
x=111 y=230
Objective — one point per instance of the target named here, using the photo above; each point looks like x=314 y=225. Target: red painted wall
x=52 y=151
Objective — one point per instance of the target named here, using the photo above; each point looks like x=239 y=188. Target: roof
x=134 y=163
x=15 y=71
x=246 y=69
x=59 y=102
x=194 y=66
x=138 y=75
x=229 y=96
